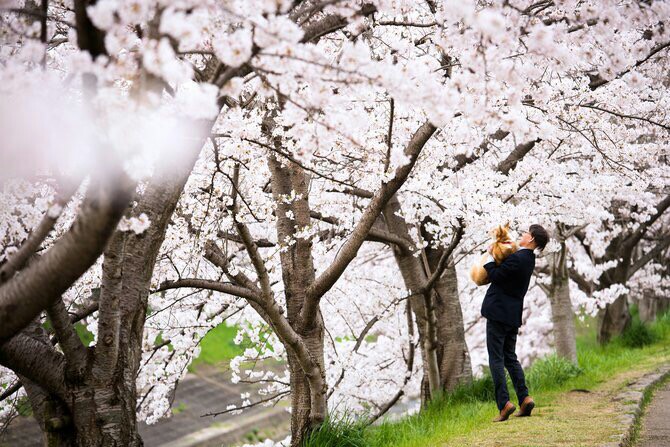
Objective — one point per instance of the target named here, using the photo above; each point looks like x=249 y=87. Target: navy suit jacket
x=509 y=283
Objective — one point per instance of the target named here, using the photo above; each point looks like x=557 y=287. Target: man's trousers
x=501 y=345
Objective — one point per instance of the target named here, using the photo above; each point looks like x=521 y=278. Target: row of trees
x=321 y=173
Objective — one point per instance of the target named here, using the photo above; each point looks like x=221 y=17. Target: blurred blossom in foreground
x=50 y=130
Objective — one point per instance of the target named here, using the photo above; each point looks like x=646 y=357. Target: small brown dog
x=503 y=246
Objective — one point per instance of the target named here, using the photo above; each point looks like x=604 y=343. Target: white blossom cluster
x=471 y=69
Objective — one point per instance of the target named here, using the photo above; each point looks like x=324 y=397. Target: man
x=502 y=308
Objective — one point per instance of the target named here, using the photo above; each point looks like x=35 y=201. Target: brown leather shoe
x=505 y=412
x=526 y=407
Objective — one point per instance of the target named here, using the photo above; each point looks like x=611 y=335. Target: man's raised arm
x=499 y=274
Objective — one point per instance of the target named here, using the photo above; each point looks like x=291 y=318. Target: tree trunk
x=414 y=277
x=102 y=416
x=614 y=319
x=562 y=315
x=453 y=355
x=98 y=417
x=452 y=351
x=51 y=415
x=103 y=400
x=308 y=392
x=84 y=409
x=651 y=305
x=563 y=319
x=306 y=410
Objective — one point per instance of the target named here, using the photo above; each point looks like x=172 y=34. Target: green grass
x=559 y=387
x=345 y=431
x=84 y=334
x=639 y=334
x=217 y=347
x=179 y=408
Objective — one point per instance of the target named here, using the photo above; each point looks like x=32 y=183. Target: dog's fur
x=503 y=246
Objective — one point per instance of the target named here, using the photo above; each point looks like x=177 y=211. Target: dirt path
x=655 y=430
x=573 y=418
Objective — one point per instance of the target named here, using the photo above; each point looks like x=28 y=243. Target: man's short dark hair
x=540 y=235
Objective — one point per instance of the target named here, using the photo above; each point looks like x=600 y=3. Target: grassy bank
x=218 y=347
x=574 y=405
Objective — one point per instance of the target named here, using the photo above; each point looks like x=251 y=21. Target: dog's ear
x=494 y=232
x=497 y=232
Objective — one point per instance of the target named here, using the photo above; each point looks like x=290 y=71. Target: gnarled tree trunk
x=308 y=402
x=562 y=315
x=453 y=354
x=651 y=305
x=87 y=396
x=614 y=319
x=414 y=277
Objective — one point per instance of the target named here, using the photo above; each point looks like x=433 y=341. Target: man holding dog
x=502 y=308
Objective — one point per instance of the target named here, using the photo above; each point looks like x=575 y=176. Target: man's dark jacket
x=509 y=283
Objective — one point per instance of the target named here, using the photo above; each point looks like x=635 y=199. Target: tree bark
x=562 y=315
x=51 y=416
x=87 y=396
x=306 y=410
x=414 y=277
x=614 y=319
x=308 y=384
x=651 y=305
x=563 y=319
x=453 y=354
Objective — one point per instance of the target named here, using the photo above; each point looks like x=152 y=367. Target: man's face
x=526 y=239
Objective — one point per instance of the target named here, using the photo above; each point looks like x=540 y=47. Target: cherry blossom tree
x=331 y=145
x=89 y=398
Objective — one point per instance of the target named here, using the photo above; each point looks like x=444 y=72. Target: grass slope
x=573 y=405
x=217 y=347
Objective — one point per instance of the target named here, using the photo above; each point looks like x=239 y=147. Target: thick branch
x=73 y=348
x=515 y=156
x=646 y=258
x=350 y=248
x=23 y=297
x=75 y=317
x=35 y=360
x=89 y=38
x=584 y=285
x=374 y=235
x=18 y=260
x=331 y=23
x=312 y=31
x=209 y=284
x=636 y=236
x=463 y=160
